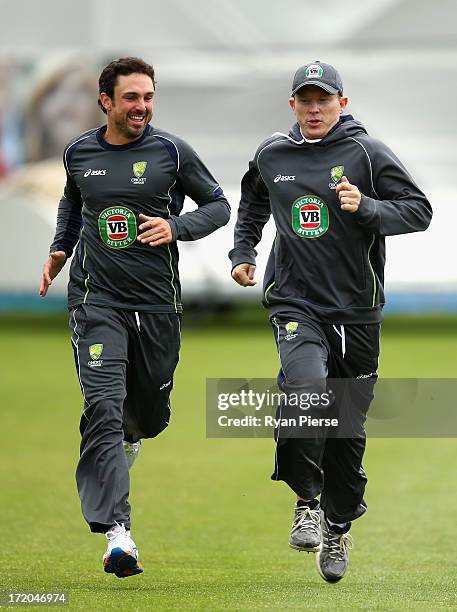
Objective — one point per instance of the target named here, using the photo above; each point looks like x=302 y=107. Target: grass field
x=211 y=527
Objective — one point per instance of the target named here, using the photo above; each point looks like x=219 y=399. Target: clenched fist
x=243 y=274
x=349 y=195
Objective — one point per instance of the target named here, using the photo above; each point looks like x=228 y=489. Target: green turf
x=211 y=527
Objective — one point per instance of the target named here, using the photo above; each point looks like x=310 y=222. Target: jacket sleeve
x=69 y=219
x=253 y=213
x=398 y=205
x=195 y=180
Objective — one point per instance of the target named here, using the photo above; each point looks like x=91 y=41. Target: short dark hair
x=122 y=66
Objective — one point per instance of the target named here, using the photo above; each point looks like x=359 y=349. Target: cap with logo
x=324 y=76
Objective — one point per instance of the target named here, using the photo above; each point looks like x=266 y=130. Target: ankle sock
x=312 y=504
x=339 y=527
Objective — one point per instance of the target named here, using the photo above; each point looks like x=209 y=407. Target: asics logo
x=282 y=177
x=94 y=173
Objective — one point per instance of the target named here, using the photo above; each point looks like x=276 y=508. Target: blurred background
x=211 y=527
x=224 y=69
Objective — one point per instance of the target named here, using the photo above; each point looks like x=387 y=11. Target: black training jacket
x=326 y=263
x=107 y=187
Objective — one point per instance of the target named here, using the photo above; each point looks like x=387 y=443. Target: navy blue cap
x=322 y=75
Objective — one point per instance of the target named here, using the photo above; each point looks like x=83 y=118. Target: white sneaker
x=132 y=450
x=121 y=557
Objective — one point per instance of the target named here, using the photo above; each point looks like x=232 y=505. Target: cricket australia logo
x=291 y=328
x=310 y=218
x=139 y=168
x=117 y=227
x=95 y=352
x=336 y=174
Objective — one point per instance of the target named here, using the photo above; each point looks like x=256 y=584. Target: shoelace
x=307 y=519
x=338 y=545
x=113 y=537
x=115 y=534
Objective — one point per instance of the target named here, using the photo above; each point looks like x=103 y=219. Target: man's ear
x=105 y=101
x=343 y=103
x=292 y=103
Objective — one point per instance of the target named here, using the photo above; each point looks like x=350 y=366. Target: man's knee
x=147 y=419
x=103 y=415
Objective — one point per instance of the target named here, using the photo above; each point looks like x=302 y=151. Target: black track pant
x=331 y=467
x=125 y=362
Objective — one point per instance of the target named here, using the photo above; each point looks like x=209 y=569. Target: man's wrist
x=242 y=256
x=174 y=229
x=59 y=250
x=366 y=210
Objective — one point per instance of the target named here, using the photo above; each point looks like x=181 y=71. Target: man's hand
x=156 y=231
x=349 y=195
x=243 y=274
x=52 y=266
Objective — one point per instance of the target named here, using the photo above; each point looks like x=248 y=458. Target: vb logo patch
x=139 y=168
x=291 y=328
x=310 y=218
x=336 y=174
x=95 y=352
x=117 y=227
x=314 y=71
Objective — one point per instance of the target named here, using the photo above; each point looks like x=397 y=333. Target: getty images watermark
x=263 y=402
x=395 y=407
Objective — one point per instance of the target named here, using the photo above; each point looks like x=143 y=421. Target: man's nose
x=141 y=106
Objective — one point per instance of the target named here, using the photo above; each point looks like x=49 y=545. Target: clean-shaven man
x=334 y=193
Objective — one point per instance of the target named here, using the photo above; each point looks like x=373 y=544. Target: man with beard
x=126 y=183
